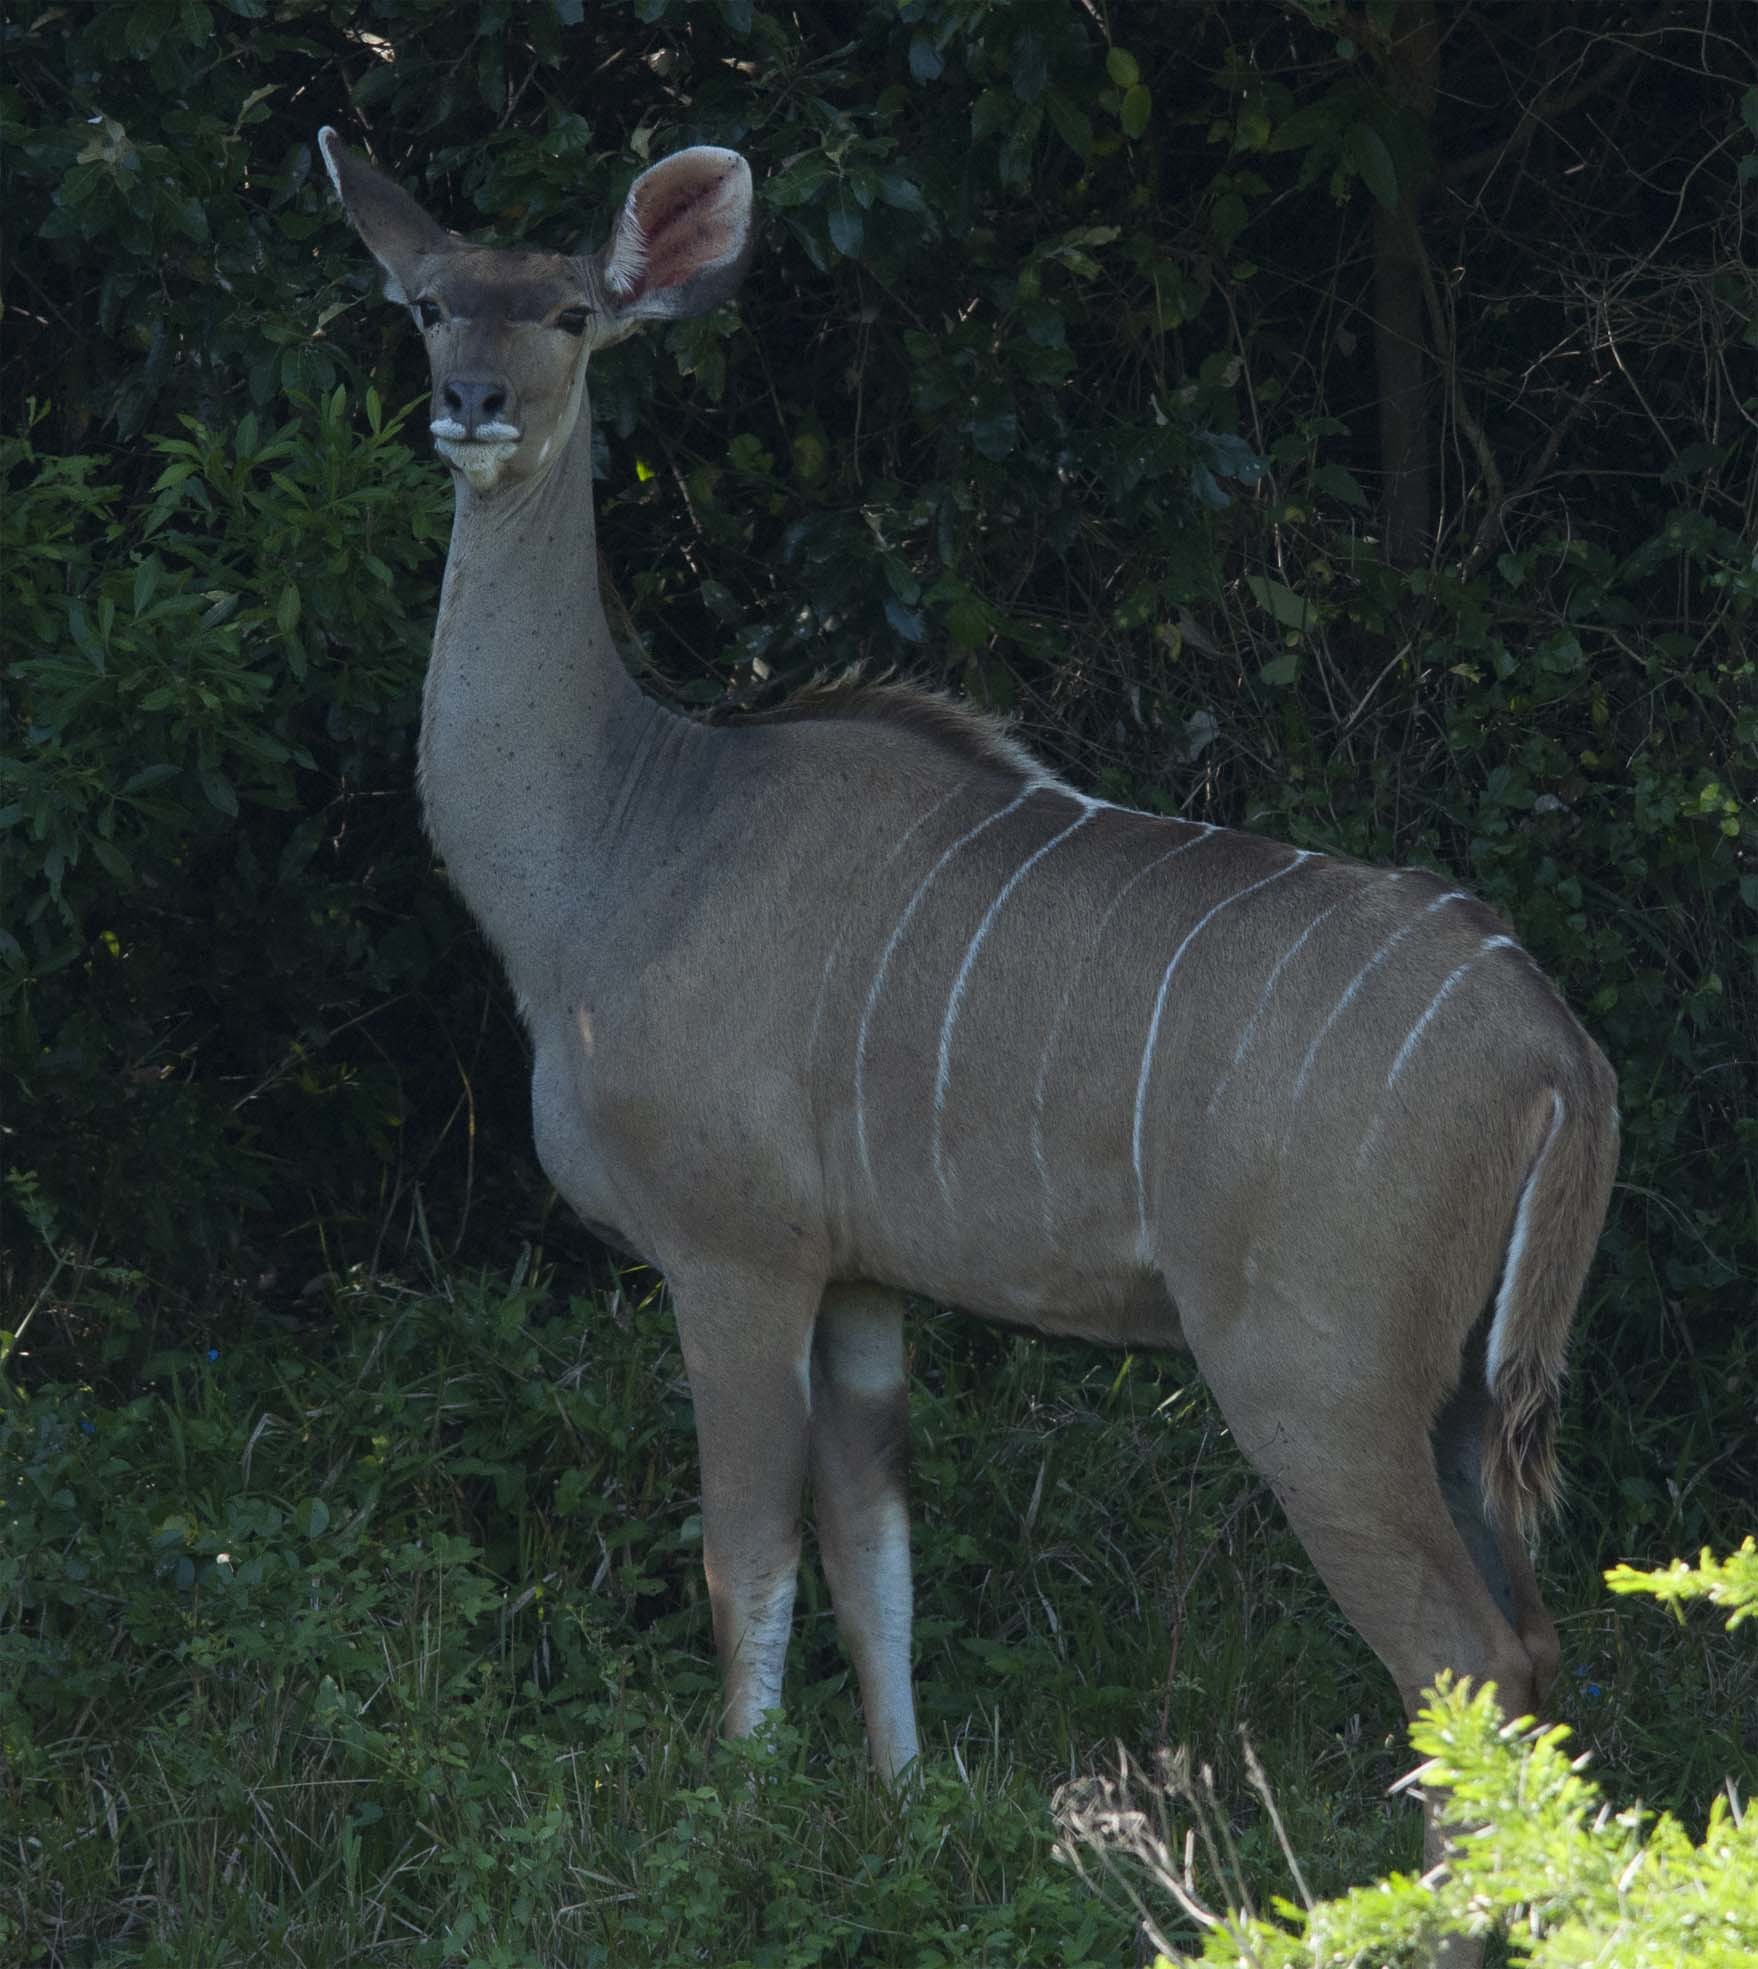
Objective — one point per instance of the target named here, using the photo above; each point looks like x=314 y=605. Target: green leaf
x=1072 y=125
x=1230 y=217
x=302 y=844
x=800 y=180
x=967 y=623
x=1340 y=483
x=114 y=861
x=1281 y=670
x=287 y=609
x=1312 y=124
x=146 y=777
x=1122 y=67
x=900 y=192
x=925 y=62
x=1367 y=151
x=1138 y=105
x=1028 y=69
x=846 y=226
x=146 y=579
x=1281 y=601
x=218 y=789
x=1692 y=459
x=994 y=431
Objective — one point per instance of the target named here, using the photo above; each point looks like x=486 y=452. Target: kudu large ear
x=398 y=234
x=683 y=238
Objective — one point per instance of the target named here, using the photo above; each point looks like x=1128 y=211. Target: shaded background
x=1333 y=420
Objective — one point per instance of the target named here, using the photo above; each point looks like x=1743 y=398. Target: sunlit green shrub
x=1540 y=1852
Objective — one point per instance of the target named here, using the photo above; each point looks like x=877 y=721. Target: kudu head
x=509 y=329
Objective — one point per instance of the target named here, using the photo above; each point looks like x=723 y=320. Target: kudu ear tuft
x=683 y=238
x=397 y=233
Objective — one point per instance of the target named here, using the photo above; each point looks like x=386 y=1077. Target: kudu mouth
x=479 y=460
x=476 y=430
x=478 y=450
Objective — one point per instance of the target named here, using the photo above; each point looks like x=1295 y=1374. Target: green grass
x=383 y=1638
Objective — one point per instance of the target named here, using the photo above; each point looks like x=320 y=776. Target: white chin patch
x=480 y=463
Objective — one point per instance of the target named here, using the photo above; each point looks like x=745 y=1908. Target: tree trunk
x=1410 y=67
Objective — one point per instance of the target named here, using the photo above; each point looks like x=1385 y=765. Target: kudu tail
x=1557 y=1222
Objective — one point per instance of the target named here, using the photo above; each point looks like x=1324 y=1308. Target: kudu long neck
x=532 y=730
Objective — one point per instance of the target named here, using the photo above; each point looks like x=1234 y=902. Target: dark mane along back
x=943 y=721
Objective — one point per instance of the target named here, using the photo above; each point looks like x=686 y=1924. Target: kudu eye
x=573 y=320
x=428 y=312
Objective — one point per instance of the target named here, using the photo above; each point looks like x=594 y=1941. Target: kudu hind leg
x=860 y=1457
x=1497 y=1551
x=1354 y=1468
x=1352 y=1461
x=746 y=1344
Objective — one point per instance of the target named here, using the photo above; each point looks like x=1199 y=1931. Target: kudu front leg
x=747 y=1349
x=860 y=1460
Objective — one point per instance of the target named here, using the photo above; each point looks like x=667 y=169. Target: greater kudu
x=861 y=1001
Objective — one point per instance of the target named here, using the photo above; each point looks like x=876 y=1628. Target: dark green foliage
x=1052 y=383
x=221 y=682
x=995 y=389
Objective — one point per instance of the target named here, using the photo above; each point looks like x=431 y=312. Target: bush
x=1572 y=1880
x=1046 y=387
x=220 y=861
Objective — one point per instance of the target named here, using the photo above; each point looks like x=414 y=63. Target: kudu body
x=861 y=1002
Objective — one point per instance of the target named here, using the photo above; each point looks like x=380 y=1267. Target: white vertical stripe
x=955 y=1000
x=1147 y=1058
x=1205 y=832
x=1437 y=1001
x=1416 y=1031
x=841 y=939
x=1355 y=983
x=903 y=922
x=1263 y=1000
x=1510 y=1285
x=1454 y=978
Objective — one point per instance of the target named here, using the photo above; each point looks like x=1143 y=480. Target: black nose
x=477 y=400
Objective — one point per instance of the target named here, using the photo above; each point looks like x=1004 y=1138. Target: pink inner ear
x=673 y=230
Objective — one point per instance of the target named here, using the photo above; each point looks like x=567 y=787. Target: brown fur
x=945 y=722
x=733 y=1076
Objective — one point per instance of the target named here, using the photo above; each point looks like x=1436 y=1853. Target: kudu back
x=860 y=1001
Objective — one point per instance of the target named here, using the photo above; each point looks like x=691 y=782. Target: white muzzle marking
x=481 y=458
